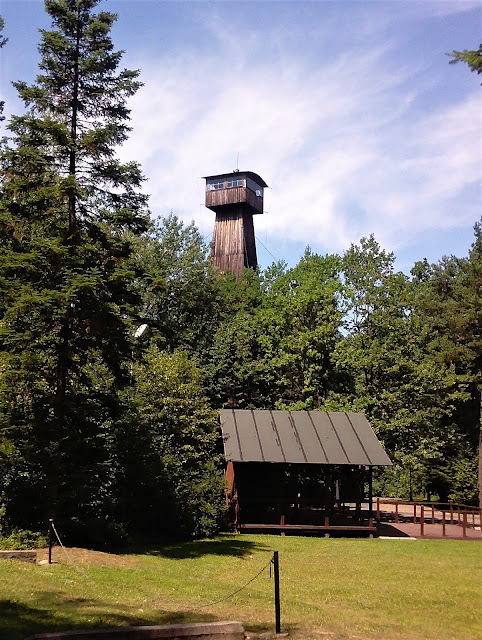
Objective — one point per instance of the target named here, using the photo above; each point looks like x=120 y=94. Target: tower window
x=212 y=186
x=235 y=182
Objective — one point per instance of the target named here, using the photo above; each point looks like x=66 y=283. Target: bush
x=464 y=485
x=92 y=533
x=22 y=539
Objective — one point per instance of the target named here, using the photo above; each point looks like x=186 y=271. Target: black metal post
x=51 y=539
x=277 y=608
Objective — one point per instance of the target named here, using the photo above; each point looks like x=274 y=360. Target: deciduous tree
x=169 y=474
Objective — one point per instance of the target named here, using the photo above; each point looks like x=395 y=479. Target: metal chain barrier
x=71 y=562
x=211 y=604
x=202 y=606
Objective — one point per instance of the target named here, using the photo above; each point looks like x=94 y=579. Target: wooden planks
x=233 y=196
x=234 y=246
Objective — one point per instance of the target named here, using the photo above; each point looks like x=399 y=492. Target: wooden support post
x=237 y=512
x=422 y=521
x=370 y=493
x=414 y=513
x=458 y=514
x=282 y=523
x=433 y=513
x=51 y=538
x=451 y=506
x=443 y=523
x=396 y=511
x=464 y=524
x=378 y=509
x=277 y=606
x=473 y=518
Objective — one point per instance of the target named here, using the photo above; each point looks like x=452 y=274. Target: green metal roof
x=300 y=437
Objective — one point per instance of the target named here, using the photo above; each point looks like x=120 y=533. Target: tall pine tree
x=2 y=42
x=68 y=208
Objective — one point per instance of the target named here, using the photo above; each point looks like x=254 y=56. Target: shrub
x=22 y=539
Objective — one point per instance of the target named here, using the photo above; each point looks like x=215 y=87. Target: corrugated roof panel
x=370 y=442
x=288 y=436
x=269 y=438
x=232 y=449
x=248 y=435
x=311 y=441
x=299 y=437
x=348 y=438
x=328 y=438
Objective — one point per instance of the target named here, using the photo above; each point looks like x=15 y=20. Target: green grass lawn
x=330 y=588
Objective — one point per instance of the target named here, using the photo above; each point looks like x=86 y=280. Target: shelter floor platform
x=393 y=530
x=308 y=529
x=431 y=531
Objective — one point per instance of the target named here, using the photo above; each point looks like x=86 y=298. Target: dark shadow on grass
x=258 y=629
x=229 y=546
x=391 y=531
x=54 y=612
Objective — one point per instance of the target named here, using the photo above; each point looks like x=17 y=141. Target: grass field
x=330 y=588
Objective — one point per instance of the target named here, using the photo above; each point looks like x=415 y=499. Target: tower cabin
x=234 y=197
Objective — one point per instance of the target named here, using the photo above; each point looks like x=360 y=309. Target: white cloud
x=341 y=145
x=340 y=107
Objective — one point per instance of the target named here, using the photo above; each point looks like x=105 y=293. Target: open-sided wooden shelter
x=300 y=471
x=235 y=197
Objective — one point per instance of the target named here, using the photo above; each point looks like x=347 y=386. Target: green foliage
x=176 y=287
x=473 y=58
x=277 y=351
x=449 y=299
x=463 y=477
x=2 y=43
x=66 y=212
x=410 y=395
x=115 y=430
x=171 y=480
x=22 y=539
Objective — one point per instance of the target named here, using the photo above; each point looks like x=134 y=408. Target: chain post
x=51 y=539
x=277 y=607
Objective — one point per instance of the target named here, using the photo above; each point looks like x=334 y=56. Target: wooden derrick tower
x=234 y=197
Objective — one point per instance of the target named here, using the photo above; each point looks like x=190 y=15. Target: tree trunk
x=63 y=353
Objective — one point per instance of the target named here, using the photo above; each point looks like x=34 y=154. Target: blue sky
x=349 y=110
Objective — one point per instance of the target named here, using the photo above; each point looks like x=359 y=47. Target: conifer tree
x=2 y=42
x=68 y=208
x=473 y=58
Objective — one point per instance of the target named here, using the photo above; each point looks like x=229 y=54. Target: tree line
x=119 y=341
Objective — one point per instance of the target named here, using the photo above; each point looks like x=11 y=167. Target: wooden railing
x=442 y=513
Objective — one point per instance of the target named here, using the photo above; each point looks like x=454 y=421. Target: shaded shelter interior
x=300 y=493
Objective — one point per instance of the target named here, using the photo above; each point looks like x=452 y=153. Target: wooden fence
x=442 y=513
